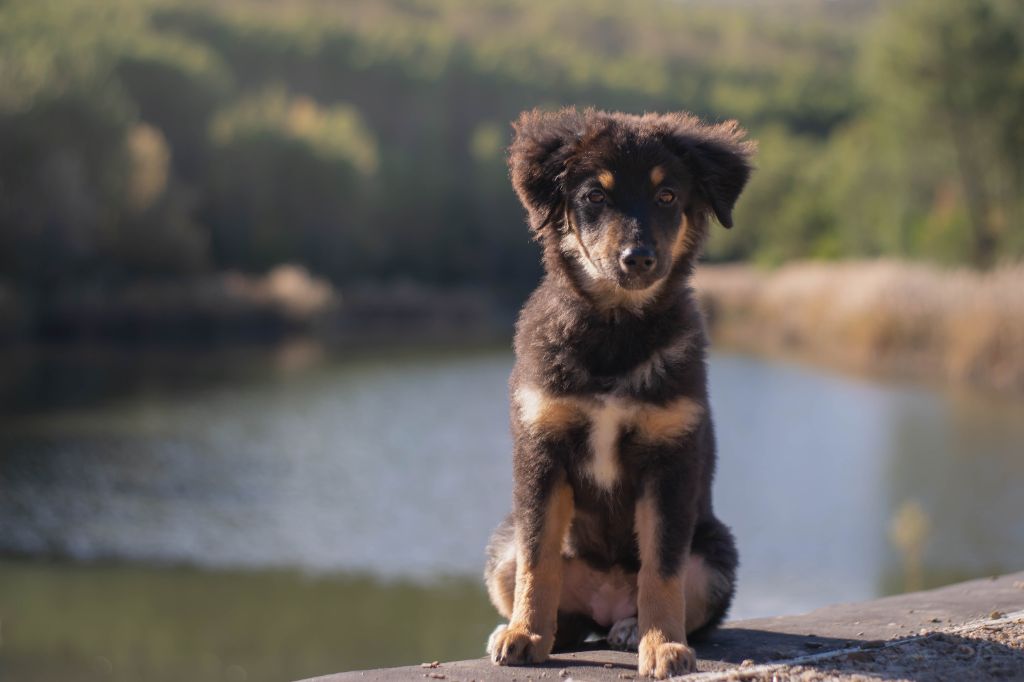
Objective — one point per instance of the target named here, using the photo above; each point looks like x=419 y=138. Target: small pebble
x=747 y=662
x=563 y=673
x=432 y=664
x=607 y=665
x=935 y=620
x=996 y=614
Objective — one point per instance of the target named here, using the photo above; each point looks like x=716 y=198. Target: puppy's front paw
x=490 y=640
x=624 y=635
x=509 y=645
x=666 y=659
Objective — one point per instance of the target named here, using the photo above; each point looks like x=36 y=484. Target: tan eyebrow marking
x=657 y=175
x=606 y=179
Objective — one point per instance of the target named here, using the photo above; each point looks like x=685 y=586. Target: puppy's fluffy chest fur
x=569 y=348
x=608 y=388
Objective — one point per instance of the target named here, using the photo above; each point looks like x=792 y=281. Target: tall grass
x=959 y=325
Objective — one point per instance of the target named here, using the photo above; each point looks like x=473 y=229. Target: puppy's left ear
x=719 y=157
x=541 y=147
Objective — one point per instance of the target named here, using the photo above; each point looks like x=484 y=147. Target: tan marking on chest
x=606 y=422
x=541 y=411
x=670 y=421
x=650 y=423
x=607 y=418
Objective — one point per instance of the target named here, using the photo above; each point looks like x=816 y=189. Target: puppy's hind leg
x=625 y=634
x=500 y=574
x=710 y=576
x=500 y=570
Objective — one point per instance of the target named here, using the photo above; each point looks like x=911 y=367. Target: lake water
x=274 y=515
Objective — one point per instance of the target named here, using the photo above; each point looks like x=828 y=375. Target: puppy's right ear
x=541 y=147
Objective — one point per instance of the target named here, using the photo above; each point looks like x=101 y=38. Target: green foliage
x=932 y=164
x=365 y=139
x=949 y=77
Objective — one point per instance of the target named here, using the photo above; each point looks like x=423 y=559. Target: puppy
x=612 y=529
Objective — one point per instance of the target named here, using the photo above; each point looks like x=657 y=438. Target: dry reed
x=959 y=325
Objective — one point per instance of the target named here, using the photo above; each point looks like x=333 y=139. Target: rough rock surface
x=972 y=630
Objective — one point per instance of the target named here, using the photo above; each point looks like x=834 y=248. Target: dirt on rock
x=988 y=651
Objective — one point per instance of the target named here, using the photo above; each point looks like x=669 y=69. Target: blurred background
x=260 y=260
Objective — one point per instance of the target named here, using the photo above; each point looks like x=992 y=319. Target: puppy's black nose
x=637 y=260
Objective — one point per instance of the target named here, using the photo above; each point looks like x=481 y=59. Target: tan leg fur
x=661 y=605
x=531 y=630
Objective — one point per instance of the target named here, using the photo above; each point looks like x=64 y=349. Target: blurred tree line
x=365 y=139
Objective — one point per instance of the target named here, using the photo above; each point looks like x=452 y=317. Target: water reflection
x=130 y=623
x=961 y=458
x=395 y=466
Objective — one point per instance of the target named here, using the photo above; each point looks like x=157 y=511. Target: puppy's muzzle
x=637 y=260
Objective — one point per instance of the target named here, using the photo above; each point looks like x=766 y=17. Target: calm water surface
x=256 y=516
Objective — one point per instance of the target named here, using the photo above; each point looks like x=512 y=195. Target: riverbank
x=972 y=630
x=959 y=326
x=886 y=317
x=236 y=308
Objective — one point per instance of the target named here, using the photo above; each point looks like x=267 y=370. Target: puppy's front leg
x=543 y=510
x=664 y=542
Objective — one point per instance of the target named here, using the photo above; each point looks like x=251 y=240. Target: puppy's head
x=626 y=200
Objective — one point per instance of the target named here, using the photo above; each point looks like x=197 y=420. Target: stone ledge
x=748 y=649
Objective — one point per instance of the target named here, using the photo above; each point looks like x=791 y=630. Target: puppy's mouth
x=637 y=282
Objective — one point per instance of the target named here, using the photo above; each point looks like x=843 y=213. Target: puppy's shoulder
x=547 y=330
x=550 y=317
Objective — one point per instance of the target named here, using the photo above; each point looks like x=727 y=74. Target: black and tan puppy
x=612 y=529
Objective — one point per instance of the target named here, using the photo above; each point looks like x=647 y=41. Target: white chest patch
x=606 y=417
x=606 y=421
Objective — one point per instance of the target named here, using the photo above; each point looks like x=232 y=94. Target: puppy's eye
x=595 y=196
x=666 y=197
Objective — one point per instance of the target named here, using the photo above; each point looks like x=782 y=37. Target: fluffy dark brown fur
x=612 y=528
